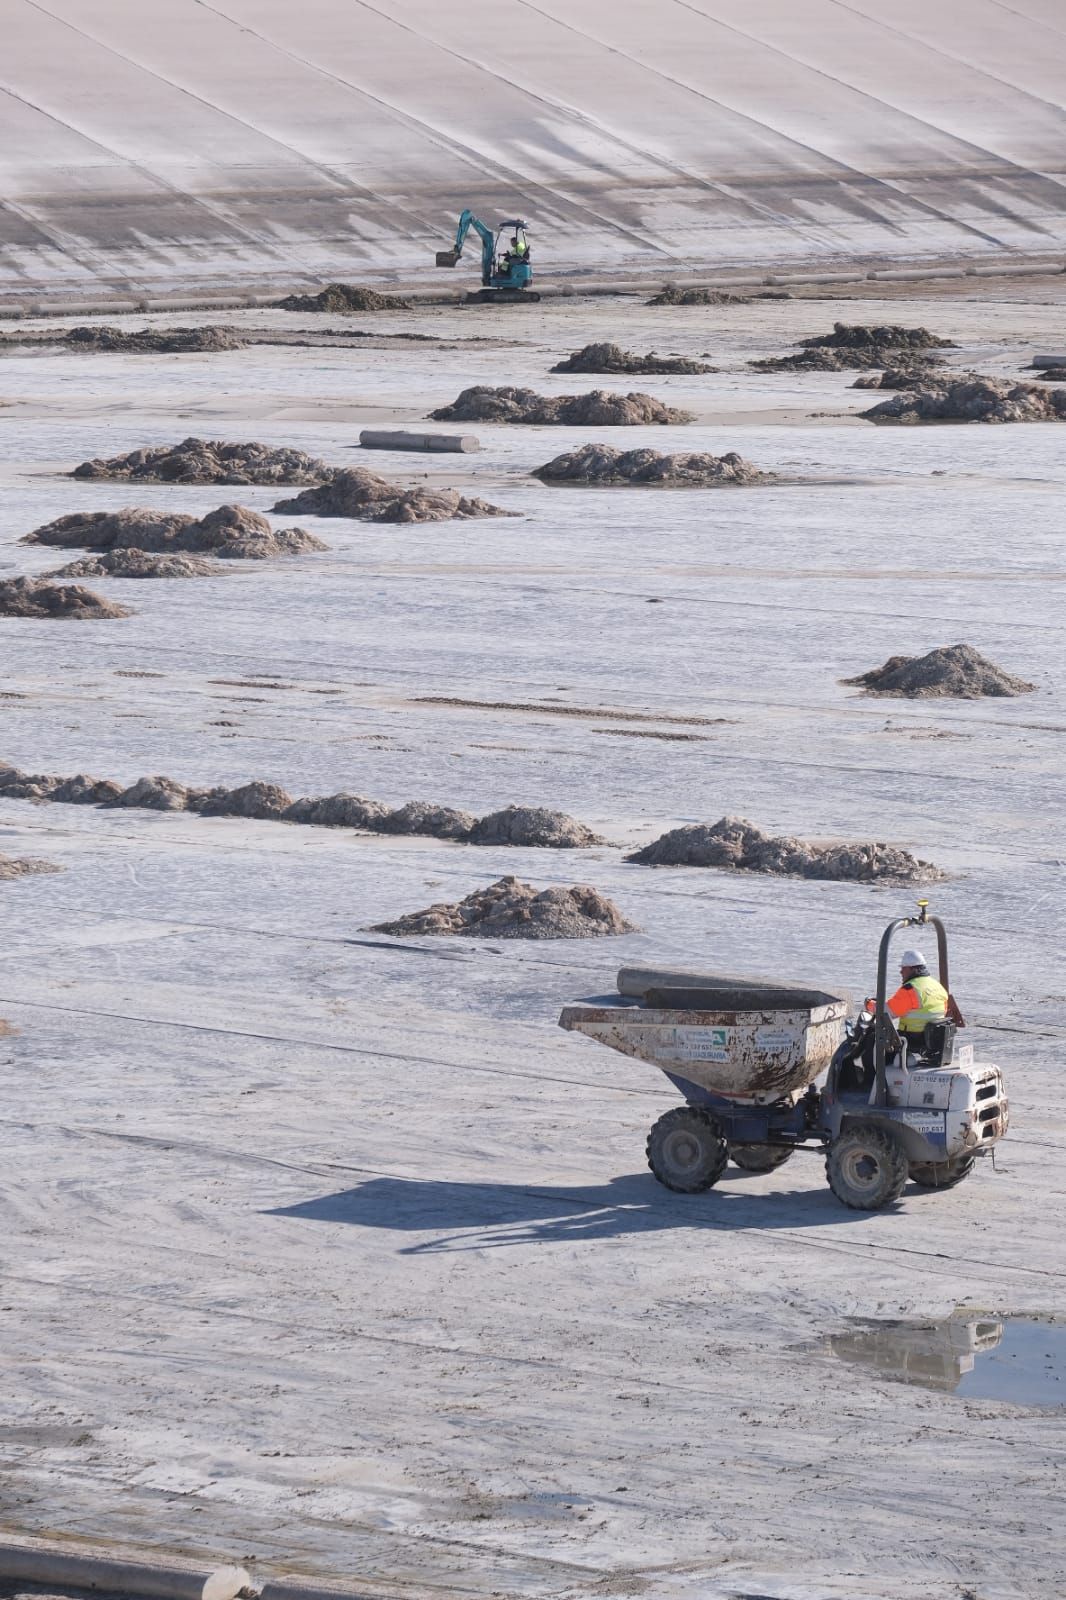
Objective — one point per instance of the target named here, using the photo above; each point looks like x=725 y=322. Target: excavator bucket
x=447 y=258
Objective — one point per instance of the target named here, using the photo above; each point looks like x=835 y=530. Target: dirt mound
x=357 y=493
x=534 y=826
x=137 y=528
x=23 y=867
x=233 y=533
x=971 y=398
x=266 y=801
x=209 y=461
x=338 y=811
x=510 y=909
x=671 y=295
x=31 y=597
x=735 y=843
x=236 y=534
x=132 y=563
x=79 y=790
x=602 y=463
x=611 y=358
x=955 y=671
x=852 y=335
x=154 y=794
x=419 y=816
x=531 y=826
x=343 y=299
x=150 y=341
x=598 y=409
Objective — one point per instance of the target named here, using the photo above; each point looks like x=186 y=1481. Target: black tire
x=759 y=1157
x=686 y=1150
x=866 y=1168
x=941 y=1174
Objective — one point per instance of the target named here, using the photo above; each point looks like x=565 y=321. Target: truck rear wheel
x=759 y=1157
x=686 y=1150
x=866 y=1168
x=941 y=1174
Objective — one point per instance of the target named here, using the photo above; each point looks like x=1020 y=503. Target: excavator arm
x=450 y=258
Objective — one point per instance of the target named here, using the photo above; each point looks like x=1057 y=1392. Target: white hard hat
x=912 y=958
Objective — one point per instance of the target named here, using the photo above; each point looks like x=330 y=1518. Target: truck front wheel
x=686 y=1150
x=866 y=1168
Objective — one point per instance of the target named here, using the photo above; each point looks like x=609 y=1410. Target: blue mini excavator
x=506 y=274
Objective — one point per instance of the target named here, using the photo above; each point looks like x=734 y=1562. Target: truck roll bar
x=882 y=1022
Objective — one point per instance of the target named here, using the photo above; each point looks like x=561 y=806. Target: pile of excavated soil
x=611 y=358
x=343 y=299
x=23 y=867
x=735 y=843
x=598 y=409
x=527 y=826
x=267 y=801
x=150 y=341
x=603 y=464
x=673 y=296
x=852 y=345
x=231 y=532
x=210 y=461
x=856 y=335
x=510 y=909
x=79 y=790
x=32 y=597
x=956 y=672
x=971 y=398
x=130 y=563
x=533 y=825
x=355 y=492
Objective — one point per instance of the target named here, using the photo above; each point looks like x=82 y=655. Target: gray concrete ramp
x=256 y=139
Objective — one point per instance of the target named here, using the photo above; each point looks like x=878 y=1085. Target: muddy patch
x=600 y=408
x=970 y=398
x=738 y=845
x=233 y=533
x=154 y=341
x=611 y=358
x=604 y=712
x=32 y=597
x=671 y=295
x=343 y=299
x=365 y=497
x=510 y=909
x=602 y=464
x=209 y=461
x=957 y=672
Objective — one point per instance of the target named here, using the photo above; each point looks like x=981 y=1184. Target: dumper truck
x=746 y=1053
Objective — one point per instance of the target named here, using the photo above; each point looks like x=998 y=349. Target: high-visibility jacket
x=918 y=1001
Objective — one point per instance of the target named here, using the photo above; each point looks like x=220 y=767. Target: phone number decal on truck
x=695 y=1044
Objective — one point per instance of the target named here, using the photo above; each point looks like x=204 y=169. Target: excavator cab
x=510 y=262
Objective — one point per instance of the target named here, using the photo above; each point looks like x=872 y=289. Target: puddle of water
x=979 y=1358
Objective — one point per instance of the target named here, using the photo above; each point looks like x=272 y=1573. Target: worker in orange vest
x=919 y=1000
